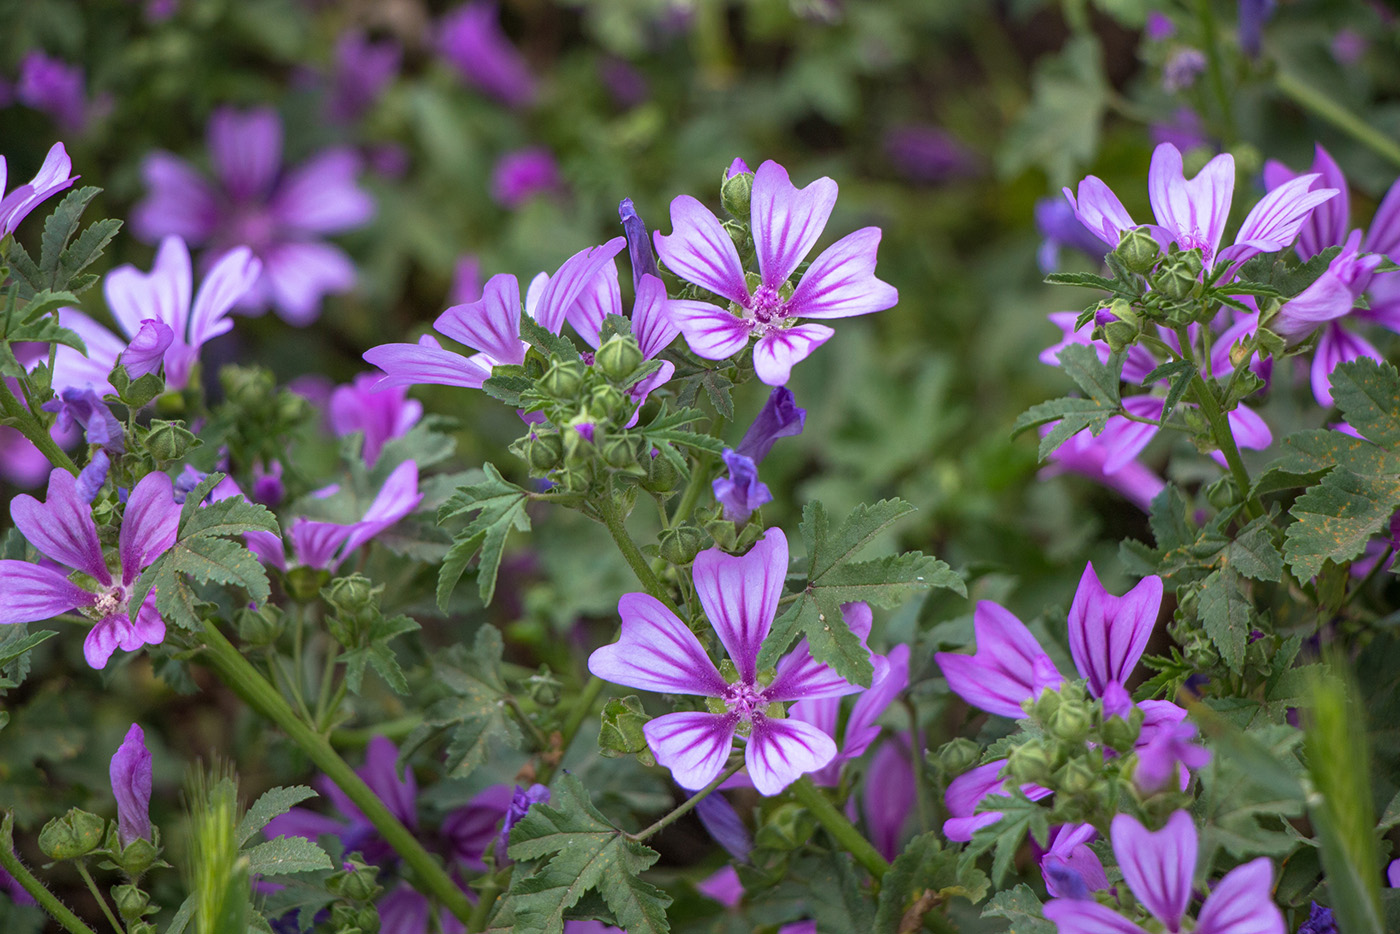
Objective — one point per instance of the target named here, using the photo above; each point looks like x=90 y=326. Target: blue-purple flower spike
x=638 y=243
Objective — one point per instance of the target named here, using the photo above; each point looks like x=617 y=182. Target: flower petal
x=491 y=324
x=656 y=652
x=246 y=150
x=34 y=592
x=231 y=278
x=149 y=524
x=1107 y=634
x=147 y=349
x=1242 y=902
x=575 y=275
x=1159 y=866
x=1100 y=211
x=72 y=370
x=786 y=220
x=164 y=292
x=652 y=324
x=1383 y=236
x=61 y=527
x=781 y=751
x=740 y=595
x=427 y=362
x=700 y=250
x=712 y=332
x=298 y=275
x=692 y=744
x=179 y=201
x=321 y=197
x=1193 y=212
x=778 y=351
x=1008 y=668
x=398 y=497
x=1077 y=916
x=600 y=297
x=841 y=281
x=801 y=677
x=1276 y=221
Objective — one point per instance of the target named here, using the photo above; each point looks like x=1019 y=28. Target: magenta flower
x=81 y=407
x=742 y=492
x=131 y=786
x=1070 y=869
x=380 y=415
x=1158 y=868
x=53 y=176
x=362 y=69
x=63 y=530
x=787 y=222
x=319 y=544
x=56 y=88
x=522 y=174
x=889 y=795
x=157 y=315
x=966 y=792
x=1192 y=213
x=658 y=652
x=1088 y=456
x=281 y=215
x=471 y=40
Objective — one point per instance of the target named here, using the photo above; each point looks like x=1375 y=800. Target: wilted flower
x=81 y=407
x=131 y=786
x=742 y=492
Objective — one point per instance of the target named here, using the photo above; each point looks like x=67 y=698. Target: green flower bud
x=345 y=919
x=1138 y=249
x=789 y=826
x=1044 y=707
x=1121 y=735
x=622 y=450
x=352 y=595
x=304 y=584
x=138 y=856
x=262 y=626
x=1076 y=777
x=140 y=927
x=619 y=357
x=169 y=441
x=248 y=387
x=662 y=475
x=1181 y=276
x=957 y=756
x=736 y=193
x=131 y=901
x=609 y=404
x=1072 y=722
x=544 y=452
x=621 y=733
x=1029 y=763
x=681 y=544
x=739 y=234
x=357 y=882
x=75 y=834
x=563 y=379
x=1223 y=493
x=544 y=688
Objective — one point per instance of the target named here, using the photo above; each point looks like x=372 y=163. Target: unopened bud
x=1181 y=276
x=609 y=404
x=1076 y=777
x=169 y=441
x=789 y=826
x=262 y=626
x=544 y=688
x=622 y=450
x=619 y=357
x=736 y=194
x=1072 y=722
x=75 y=834
x=1122 y=735
x=304 y=584
x=357 y=882
x=138 y=856
x=544 y=452
x=247 y=387
x=353 y=596
x=681 y=544
x=1029 y=763
x=1223 y=493
x=662 y=475
x=957 y=756
x=563 y=379
x=1138 y=249
x=131 y=901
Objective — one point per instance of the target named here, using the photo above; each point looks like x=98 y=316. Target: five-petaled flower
x=658 y=652
x=62 y=528
x=787 y=222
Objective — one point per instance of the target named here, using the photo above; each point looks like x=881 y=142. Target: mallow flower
x=63 y=530
x=1158 y=868
x=131 y=785
x=380 y=415
x=165 y=321
x=280 y=214
x=470 y=38
x=786 y=223
x=740 y=493
x=656 y=651
x=320 y=544
x=53 y=176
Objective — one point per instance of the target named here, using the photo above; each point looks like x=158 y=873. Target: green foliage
x=500 y=506
x=1059 y=131
x=1074 y=414
x=61 y=262
x=1021 y=907
x=572 y=849
x=270 y=804
x=834 y=578
x=1019 y=816
x=204 y=551
x=286 y=855
x=921 y=878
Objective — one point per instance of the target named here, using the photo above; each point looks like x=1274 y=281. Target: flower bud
x=131 y=901
x=247 y=387
x=621 y=732
x=1029 y=763
x=169 y=441
x=1223 y=493
x=75 y=834
x=789 y=826
x=304 y=584
x=681 y=544
x=1072 y=721
x=622 y=450
x=544 y=688
x=1121 y=735
x=353 y=597
x=1076 y=777
x=662 y=475
x=137 y=856
x=609 y=404
x=619 y=357
x=1138 y=249
x=957 y=756
x=1181 y=276
x=141 y=927
x=542 y=451
x=736 y=193
x=739 y=234
x=357 y=882
x=262 y=626
x=563 y=379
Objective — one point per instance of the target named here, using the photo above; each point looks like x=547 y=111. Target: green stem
x=486 y=898
x=699 y=478
x=836 y=824
x=524 y=720
x=611 y=513
x=1312 y=99
x=235 y=671
x=1215 y=69
x=359 y=737
x=916 y=753
x=29 y=426
x=97 y=894
x=689 y=803
x=46 y=899
x=1220 y=428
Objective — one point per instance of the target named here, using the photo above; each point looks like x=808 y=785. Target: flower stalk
x=836 y=824
x=46 y=899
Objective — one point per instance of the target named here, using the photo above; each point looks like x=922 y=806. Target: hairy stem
x=1225 y=438
x=235 y=671
x=1315 y=101
x=685 y=806
x=97 y=894
x=611 y=513
x=836 y=824
x=46 y=899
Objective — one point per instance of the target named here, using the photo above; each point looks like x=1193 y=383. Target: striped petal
x=34 y=592
x=1159 y=866
x=692 y=744
x=1107 y=634
x=700 y=250
x=841 y=281
x=712 y=332
x=781 y=751
x=777 y=352
x=786 y=220
x=656 y=652
x=740 y=595
x=61 y=527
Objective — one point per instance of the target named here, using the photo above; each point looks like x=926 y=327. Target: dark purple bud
x=471 y=39
x=741 y=492
x=638 y=244
x=1320 y=921
x=147 y=349
x=131 y=786
x=82 y=407
x=54 y=87
x=362 y=69
x=780 y=417
x=93 y=476
x=725 y=825
x=1253 y=15
x=586 y=430
x=520 y=803
x=267 y=484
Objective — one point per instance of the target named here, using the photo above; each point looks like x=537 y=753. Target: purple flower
x=926 y=155
x=724 y=886
x=522 y=174
x=638 y=244
x=1348 y=46
x=156 y=313
x=54 y=87
x=466 y=281
x=780 y=417
x=786 y=223
x=380 y=415
x=1181 y=69
x=1158 y=868
x=725 y=826
x=76 y=406
x=131 y=786
x=1070 y=869
x=92 y=477
x=1159 y=28
x=658 y=652
x=1253 y=15
x=890 y=794
x=967 y=792
x=626 y=83
x=362 y=69
x=1192 y=213
x=1320 y=921
x=737 y=167
x=1163 y=751
x=471 y=40
x=320 y=544
x=741 y=492
x=1392 y=874
x=1108 y=634
x=268 y=488
x=1183 y=129
x=1088 y=456
x=520 y=803
x=279 y=215
x=62 y=529
x=1008 y=668
x=53 y=176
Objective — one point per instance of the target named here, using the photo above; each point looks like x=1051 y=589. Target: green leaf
x=834 y=578
x=667 y=430
x=1337 y=517
x=546 y=341
x=579 y=850
x=1073 y=414
x=1253 y=552
x=1059 y=130
x=11 y=650
x=1225 y=611
x=1022 y=909
x=1081 y=363
x=1087 y=280
x=84 y=252
x=1019 y=816
x=286 y=855
x=270 y=804
x=500 y=506
x=59 y=228
x=922 y=876
x=1368 y=393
